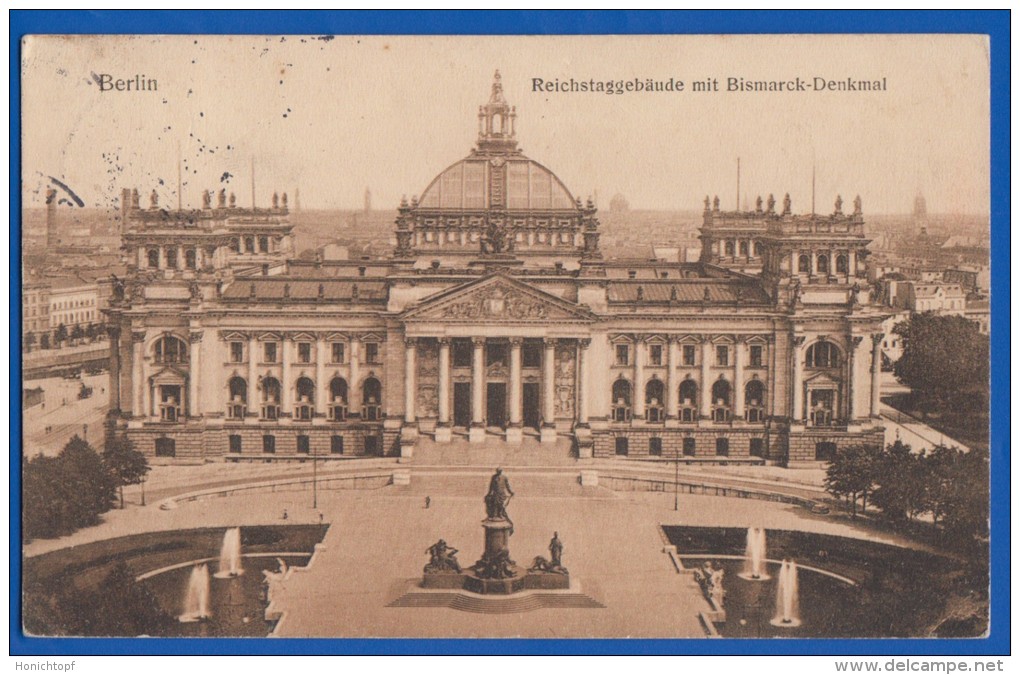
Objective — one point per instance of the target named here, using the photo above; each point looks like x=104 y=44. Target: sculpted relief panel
x=564 y=382
x=428 y=379
x=497 y=302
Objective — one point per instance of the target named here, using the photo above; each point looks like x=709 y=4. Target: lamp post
x=315 y=479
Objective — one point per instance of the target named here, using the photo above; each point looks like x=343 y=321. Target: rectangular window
x=461 y=353
x=655 y=355
x=236 y=352
x=689 y=445
x=269 y=444
x=531 y=355
x=166 y=447
x=336 y=445
x=269 y=352
x=722 y=447
x=304 y=352
x=756 y=356
x=338 y=352
x=303 y=445
x=621 y=446
x=689 y=355
x=371 y=353
x=235 y=443
x=655 y=446
x=622 y=355
x=757 y=447
x=722 y=355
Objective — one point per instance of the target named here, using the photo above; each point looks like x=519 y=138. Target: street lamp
x=676 y=480
x=315 y=479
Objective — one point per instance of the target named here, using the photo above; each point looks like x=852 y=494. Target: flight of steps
x=494 y=451
x=497 y=604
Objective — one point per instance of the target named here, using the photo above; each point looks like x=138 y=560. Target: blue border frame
x=992 y=23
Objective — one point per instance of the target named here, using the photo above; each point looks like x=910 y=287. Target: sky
x=334 y=116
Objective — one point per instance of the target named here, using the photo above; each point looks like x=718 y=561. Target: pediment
x=821 y=378
x=497 y=299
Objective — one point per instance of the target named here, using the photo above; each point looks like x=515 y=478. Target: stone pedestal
x=548 y=434
x=497 y=537
x=476 y=434
x=444 y=434
x=514 y=434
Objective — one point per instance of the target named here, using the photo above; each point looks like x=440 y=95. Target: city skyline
x=338 y=116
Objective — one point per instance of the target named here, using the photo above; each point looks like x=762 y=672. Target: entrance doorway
x=461 y=404
x=496 y=404
x=530 y=395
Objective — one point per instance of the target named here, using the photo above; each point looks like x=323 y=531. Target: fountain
x=196 y=599
x=230 y=555
x=754 y=568
x=787 y=602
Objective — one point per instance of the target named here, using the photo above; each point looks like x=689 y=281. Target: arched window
x=758 y=248
x=721 y=401
x=823 y=264
x=743 y=248
x=729 y=248
x=238 y=405
x=688 y=401
x=754 y=400
x=822 y=354
x=804 y=264
x=654 y=395
x=305 y=399
x=170 y=349
x=153 y=257
x=371 y=392
x=842 y=264
x=338 y=399
x=190 y=259
x=621 y=401
x=270 y=398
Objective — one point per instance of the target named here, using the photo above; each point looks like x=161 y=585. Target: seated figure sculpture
x=442 y=558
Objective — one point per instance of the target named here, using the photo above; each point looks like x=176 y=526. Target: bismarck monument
x=496 y=572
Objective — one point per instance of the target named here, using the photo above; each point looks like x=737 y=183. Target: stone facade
x=497 y=316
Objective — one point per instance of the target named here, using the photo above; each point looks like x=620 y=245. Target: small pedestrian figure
x=320 y=517
x=428 y=501
x=285 y=514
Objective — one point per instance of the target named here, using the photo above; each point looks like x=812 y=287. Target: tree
x=29 y=341
x=64 y=493
x=77 y=333
x=44 y=340
x=945 y=362
x=899 y=491
x=60 y=335
x=851 y=474
x=125 y=464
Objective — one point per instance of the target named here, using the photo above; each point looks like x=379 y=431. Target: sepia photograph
x=592 y=336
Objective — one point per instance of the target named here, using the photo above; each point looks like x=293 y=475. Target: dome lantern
x=497 y=121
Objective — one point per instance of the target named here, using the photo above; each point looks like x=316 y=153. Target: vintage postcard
x=517 y=337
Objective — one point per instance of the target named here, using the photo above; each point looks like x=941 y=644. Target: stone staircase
x=493 y=452
x=513 y=604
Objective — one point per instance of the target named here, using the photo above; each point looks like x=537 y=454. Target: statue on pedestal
x=442 y=558
x=555 y=563
x=498 y=497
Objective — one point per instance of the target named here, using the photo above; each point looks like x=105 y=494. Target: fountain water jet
x=196 y=598
x=230 y=555
x=787 y=600
x=754 y=568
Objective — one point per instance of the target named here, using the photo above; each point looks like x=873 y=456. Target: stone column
x=549 y=391
x=738 y=378
x=443 y=434
x=321 y=386
x=286 y=395
x=477 y=432
x=514 y=431
x=354 y=377
x=138 y=384
x=254 y=397
x=410 y=370
x=195 y=375
x=584 y=381
x=797 y=414
x=115 y=365
x=876 y=372
x=706 y=385
x=180 y=257
x=672 y=382
x=638 y=405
